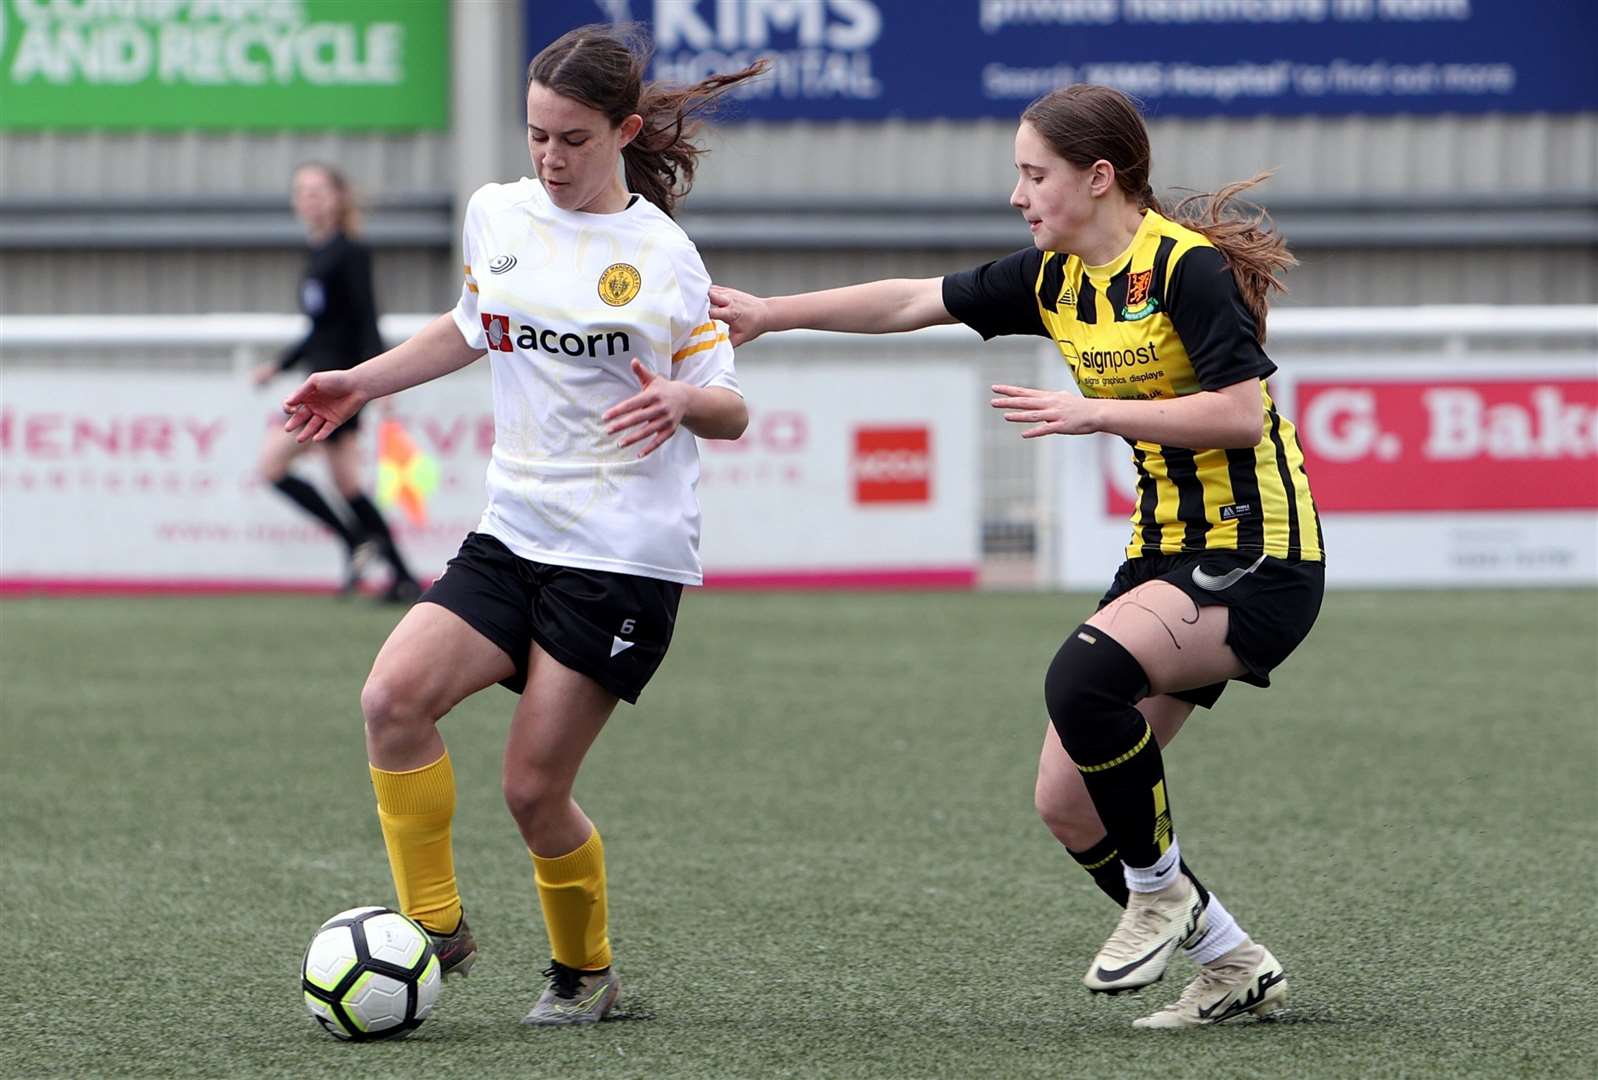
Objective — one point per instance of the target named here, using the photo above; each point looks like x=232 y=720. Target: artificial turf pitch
x=823 y=857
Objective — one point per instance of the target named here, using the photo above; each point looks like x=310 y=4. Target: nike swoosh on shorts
x=1217 y=582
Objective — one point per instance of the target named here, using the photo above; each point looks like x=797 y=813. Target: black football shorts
x=613 y=628
x=1272 y=603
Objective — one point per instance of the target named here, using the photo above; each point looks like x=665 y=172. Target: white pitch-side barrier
x=1446 y=446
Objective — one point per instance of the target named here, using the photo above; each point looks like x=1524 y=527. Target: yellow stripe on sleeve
x=684 y=353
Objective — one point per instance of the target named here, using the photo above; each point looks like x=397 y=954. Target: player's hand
x=322 y=403
x=262 y=374
x=655 y=413
x=1051 y=412
x=745 y=315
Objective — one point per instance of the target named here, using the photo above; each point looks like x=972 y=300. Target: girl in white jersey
x=593 y=307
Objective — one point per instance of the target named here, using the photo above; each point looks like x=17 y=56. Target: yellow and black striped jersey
x=1161 y=320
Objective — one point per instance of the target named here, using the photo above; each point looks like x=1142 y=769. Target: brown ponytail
x=603 y=67
x=1084 y=123
x=1254 y=250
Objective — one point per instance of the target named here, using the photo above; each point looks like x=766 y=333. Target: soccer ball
x=370 y=973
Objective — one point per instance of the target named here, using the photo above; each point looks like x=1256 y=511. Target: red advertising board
x=892 y=464
x=1373 y=445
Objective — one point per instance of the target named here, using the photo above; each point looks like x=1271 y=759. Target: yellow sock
x=571 y=890
x=415 y=809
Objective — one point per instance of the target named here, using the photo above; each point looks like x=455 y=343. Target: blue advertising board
x=870 y=59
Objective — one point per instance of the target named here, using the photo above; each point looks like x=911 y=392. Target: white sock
x=1221 y=936
x=1156 y=877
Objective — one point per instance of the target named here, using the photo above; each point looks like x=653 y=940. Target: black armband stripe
x=1294 y=540
x=1240 y=468
x=1162 y=262
x=1181 y=465
x=1147 y=504
x=1087 y=307
x=1051 y=282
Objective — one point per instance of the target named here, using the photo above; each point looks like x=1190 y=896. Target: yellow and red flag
x=405 y=475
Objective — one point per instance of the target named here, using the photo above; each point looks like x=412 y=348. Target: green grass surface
x=823 y=856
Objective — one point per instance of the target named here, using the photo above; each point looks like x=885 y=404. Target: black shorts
x=614 y=628
x=1271 y=607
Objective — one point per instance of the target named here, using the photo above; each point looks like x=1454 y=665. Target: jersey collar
x=1108 y=270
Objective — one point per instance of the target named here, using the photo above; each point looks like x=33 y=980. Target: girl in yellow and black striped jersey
x=1161 y=321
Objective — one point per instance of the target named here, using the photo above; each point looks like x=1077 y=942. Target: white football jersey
x=563 y=301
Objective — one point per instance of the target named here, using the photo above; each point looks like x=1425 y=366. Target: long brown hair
x=1084 y=123
x=603 y=67
x=349 y=208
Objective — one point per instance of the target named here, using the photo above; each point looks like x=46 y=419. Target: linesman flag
x=405 y=475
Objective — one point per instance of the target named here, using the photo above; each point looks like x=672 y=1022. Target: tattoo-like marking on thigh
x=1129 y=602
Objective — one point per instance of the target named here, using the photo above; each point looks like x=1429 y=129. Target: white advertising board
x=147 y=480
x=850 y=473
x=1471 y=471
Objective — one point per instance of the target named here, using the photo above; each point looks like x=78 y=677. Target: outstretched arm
x=875 y=307
x=328 y=398
x=1208 y=420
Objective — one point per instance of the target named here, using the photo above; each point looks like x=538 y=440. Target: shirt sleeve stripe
x=683 y=354
x=704 y=328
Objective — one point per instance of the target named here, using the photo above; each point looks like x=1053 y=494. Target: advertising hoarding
x=1425 y=473
x=224 y=64
x=147 y=481
x=871 y=59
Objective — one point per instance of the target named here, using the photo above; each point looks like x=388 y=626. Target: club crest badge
x=1139 y=304
x=619 y=284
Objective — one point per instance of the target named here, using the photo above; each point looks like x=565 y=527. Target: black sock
x=307 y=498
x=377 y=529
x=1103 y=864
x=1128 y=791
x=1091 y=690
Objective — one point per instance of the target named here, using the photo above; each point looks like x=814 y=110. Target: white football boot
x=1153 y=926
x=1247 y=981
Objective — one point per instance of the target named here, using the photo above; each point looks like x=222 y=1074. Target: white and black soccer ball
x=370 y=973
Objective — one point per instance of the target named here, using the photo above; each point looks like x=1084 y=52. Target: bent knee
x=1063 y=803
x=1091 y=687
x=531 y=796
x=391 y=704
